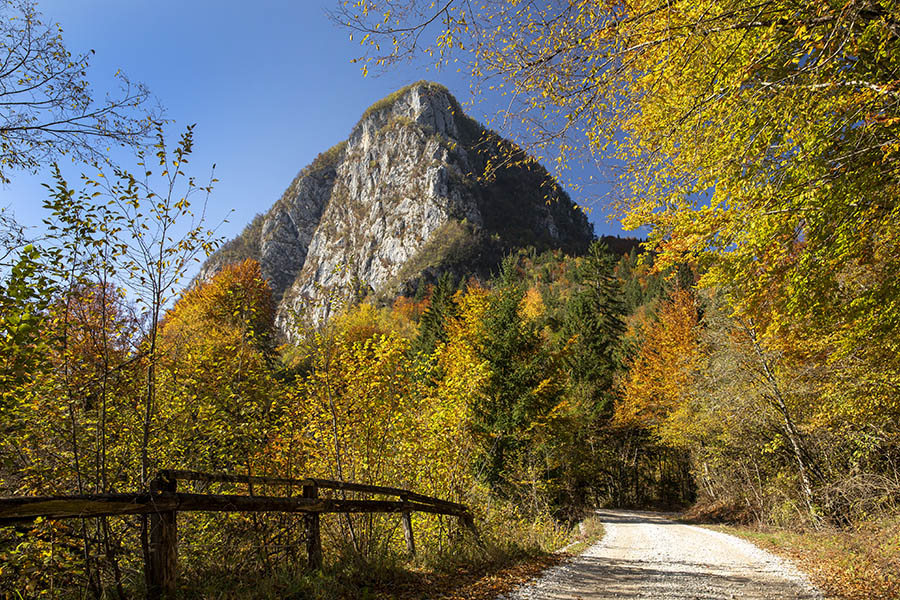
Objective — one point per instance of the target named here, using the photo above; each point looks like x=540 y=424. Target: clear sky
x=269 y=85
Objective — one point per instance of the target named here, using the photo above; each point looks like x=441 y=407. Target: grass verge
x=464 y=572
x=858 y=563
x=589 y=532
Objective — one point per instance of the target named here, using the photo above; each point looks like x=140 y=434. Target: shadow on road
x=592 y=578
x=638 y=516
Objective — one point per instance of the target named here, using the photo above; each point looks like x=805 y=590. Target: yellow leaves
x=532 y=305
x=237 y=297
x=368 y=411
x=365 y=321
x=215 y=364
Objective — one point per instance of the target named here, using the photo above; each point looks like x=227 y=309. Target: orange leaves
x=224 y=323
x=408 y=309
x=860 y=563
x=237 y=296
x=660 y=374
x=532 y=305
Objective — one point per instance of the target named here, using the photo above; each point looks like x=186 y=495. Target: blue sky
x=269 y=85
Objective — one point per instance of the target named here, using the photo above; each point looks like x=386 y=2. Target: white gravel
x=644 y=555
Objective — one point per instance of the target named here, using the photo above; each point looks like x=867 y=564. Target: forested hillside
x=496 y=393
x=560 y=384
x=740 y=364
x=759 y=142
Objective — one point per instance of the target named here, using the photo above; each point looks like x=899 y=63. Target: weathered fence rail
x=163 y=502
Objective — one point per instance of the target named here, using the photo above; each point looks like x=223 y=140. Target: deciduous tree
x=47 y=106
x=216 y=366
x=758 y=138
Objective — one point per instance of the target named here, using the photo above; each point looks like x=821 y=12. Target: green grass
x=589 y=532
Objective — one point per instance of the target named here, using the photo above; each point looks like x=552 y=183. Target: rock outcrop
x=403 y=200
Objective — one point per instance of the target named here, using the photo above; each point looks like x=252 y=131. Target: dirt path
x=644 y=555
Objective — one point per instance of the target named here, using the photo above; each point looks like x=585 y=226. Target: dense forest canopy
x=760 y=144
x=760 y=138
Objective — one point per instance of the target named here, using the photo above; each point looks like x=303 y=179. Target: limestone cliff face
x=280 y=238
x=401 y=201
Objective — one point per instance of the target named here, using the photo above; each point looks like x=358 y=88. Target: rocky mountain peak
x=402 y=200
x=428 y=105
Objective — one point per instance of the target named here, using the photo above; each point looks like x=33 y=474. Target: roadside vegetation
x=853 y=563
x=587 y=533
x=759 y=142
x=464 y=395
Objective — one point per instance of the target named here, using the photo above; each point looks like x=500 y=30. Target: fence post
x=313 y=534
x=468 y=522
x=408 y=533
x=163 y=567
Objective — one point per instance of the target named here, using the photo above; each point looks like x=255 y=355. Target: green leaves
x=24 y=297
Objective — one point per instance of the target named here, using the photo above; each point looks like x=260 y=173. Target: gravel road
x=644 y=555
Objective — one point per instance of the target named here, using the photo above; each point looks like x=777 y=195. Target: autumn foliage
x=746 y=361
x=658 y=379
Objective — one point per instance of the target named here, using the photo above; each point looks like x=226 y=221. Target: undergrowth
x=504 y=556
x=586 y=534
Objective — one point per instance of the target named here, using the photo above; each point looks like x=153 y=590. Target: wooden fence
x=163 y=503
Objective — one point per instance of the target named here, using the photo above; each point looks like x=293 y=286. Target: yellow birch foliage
x=532 y=304
x=463 y=376
x=367 y=412
x=759 y=139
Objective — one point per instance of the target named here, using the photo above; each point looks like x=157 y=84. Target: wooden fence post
x=313 y=534
x=159 y=533
x=408 y=533
x=469 y=523
x=163 y=567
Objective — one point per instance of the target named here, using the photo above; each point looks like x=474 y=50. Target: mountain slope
x=404 y=199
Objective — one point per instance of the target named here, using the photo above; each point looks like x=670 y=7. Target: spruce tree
x=432 y=325
x=594 y=319
x=517 y=395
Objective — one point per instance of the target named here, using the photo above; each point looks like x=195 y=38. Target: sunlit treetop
x=759 y=139
x=236 y=298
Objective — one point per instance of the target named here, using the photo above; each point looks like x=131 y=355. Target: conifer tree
x=524 y=383
x=594 y=319
x=432 y=326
